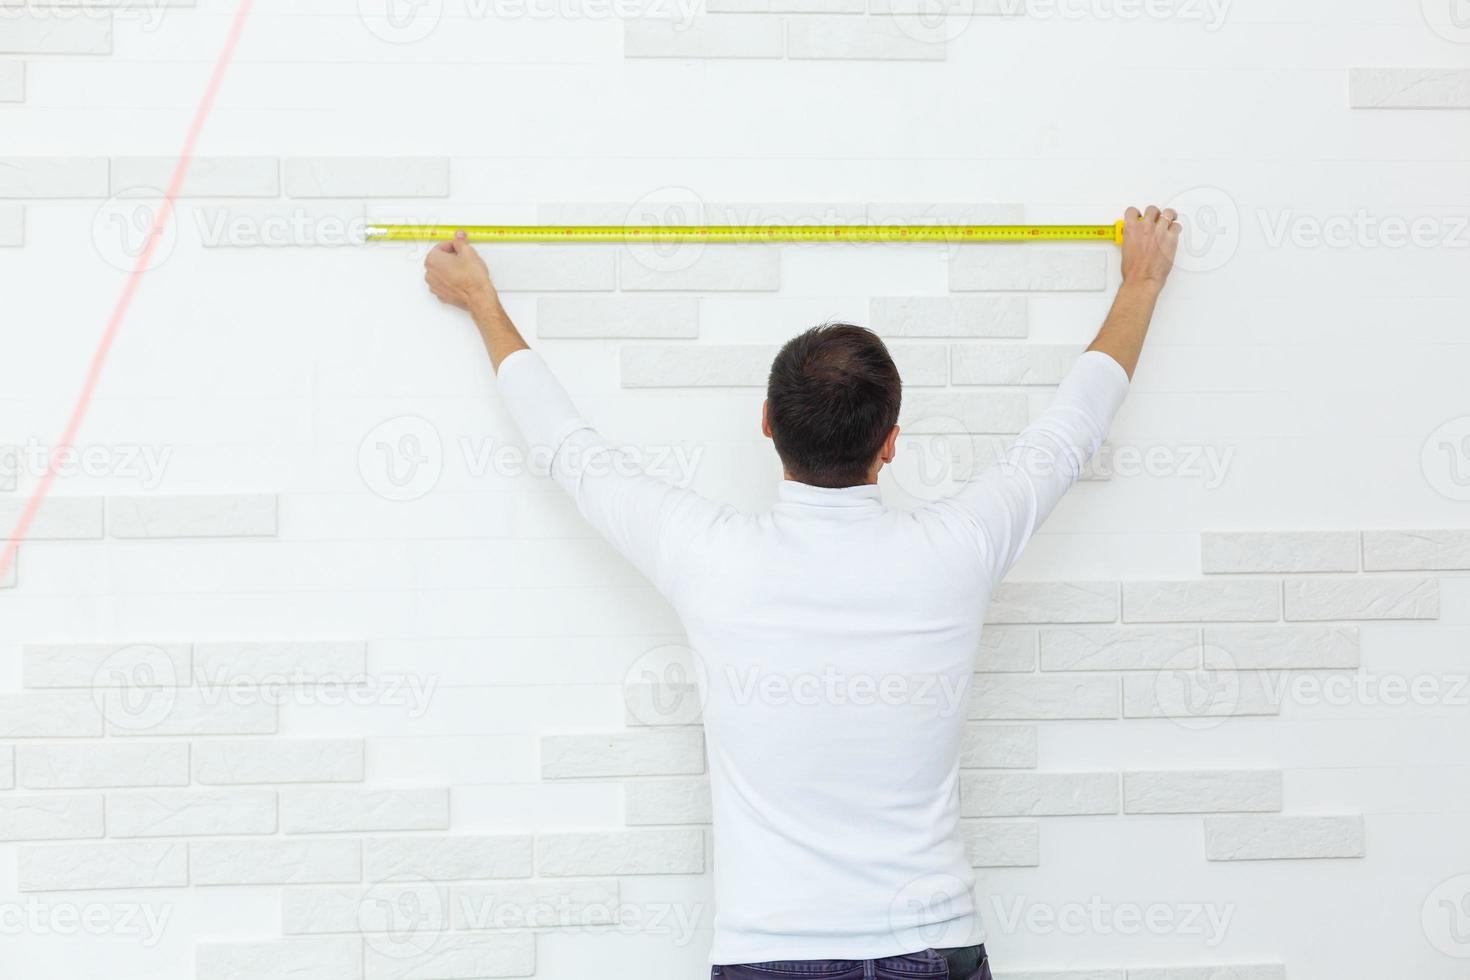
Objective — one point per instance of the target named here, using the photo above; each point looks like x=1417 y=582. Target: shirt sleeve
x=1008 y=501
x=646 y=519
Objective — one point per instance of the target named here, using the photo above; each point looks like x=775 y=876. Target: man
x=836 y=635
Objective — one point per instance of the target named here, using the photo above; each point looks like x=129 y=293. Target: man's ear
x=765 y=419
x=890 y=446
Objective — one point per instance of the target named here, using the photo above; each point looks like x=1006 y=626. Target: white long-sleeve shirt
x=837 y=641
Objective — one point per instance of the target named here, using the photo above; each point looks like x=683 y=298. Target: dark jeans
x=965 y=963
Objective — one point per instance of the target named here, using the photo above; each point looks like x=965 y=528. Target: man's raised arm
x=1005 y=504
x=648 y=520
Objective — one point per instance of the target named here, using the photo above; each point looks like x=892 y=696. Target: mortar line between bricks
x=130 y=288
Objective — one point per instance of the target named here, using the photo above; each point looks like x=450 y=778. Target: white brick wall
x=256 y=693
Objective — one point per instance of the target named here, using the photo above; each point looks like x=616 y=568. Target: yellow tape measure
x=750 y=233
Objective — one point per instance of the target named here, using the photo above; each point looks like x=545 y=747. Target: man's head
x=832 y=406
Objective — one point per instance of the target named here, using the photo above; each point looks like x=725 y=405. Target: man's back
x=836 y=641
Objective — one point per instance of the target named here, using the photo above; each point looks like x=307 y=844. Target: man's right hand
x=1150 y=242
x=457 y=275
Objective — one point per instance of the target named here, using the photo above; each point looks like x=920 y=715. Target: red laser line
x=130 y=288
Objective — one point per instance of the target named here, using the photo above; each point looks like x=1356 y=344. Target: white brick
x=449 y=858
x=34 y=31
x=219 y=763
x=921 y=365
x=763 y=214
x=1205 y=791
x=367 y=177
x=1004 y=651
x=786 y=6
x=1001 y=845
x=1232 y=971
x=1117 y=648
x=658 y=317
x=206 y=176
x=1403 y=551
x=1362 y=598
x=1238 y=600
x=12 y=81
x=7 y=767
x=651 y=802
x=318 y=811
x=106 y=665
x=1037 y=794
x=45 y=177
x=1409 y=88
x=658 y=209
x=1006 y=697
x=90 y=764
x=944 y=213
x=91 y=866
x=57 y=519
x=714 y=268
x=299 y=662
x=636 y=852
x=406 y=907
x=280 y=959
x=1028 y=268
x=456 y=958
x=1053 y=602
x=274 y=862
x=188 y=711
x=1282 y=647
x=552 y=268
x=943 y=316
x=1200 y=694
x=50 y=817
x=1279 y=551
x=704 y=37
x=951 y=8
x=947 y=412
x=705 y=365
x=534 y=904
x=857 y=39
x=749 y=365
x=998 y=747
x=1011 y=364
x=185 y=814
x=203 y=516
x=12 y=235
x=622 y=754
x=1282 y=838
x=49 y=715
